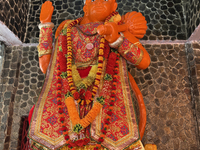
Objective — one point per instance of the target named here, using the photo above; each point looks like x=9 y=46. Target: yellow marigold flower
x=69 y=42
x=102 y=40
x=69 y=53
x=100 y=65
x=69 y=38
x=69 y=60
x=101 y=58
x=73 y=91
x=79 y=100
x=95 y=87
x=100 y=51
x=94 y=91
x=88 y=101
x=71 y=84
x=69 y=73
x=68 y=67
x=96 y=82
x=99 y=70
x=102 y=45
x=69 y=47
x=70 y=79
x=98 y=77
x=68 y=34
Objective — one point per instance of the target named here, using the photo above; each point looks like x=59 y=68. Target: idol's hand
x=46 y=12
x=111 y=31
x=136 y=24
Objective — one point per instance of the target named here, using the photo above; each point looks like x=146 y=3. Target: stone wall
x=165 y=86
x=2 y=49
x=193 y=55
x=8 y=88
x=192 y=15
x=165 y=19
x=14 y=14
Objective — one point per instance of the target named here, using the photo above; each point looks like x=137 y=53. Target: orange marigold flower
x=114 y=83
x=61 y=115
x=108 y=117
x=59 y=107
x=114 y=91
x=111 y=107
x=98 y=145
x=58 y=92
x=63 y=124
x=58 y=85
x=105 y=126
x=102 y=135
x=112 y=98
x=115 y=76
x=59 y=99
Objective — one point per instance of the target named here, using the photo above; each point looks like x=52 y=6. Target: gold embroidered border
x=34 y=132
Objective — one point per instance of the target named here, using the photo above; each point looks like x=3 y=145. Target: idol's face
x=98 y=10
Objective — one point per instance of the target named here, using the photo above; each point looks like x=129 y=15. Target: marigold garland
x=112 y=100
x=59 y=102
x=65 y=51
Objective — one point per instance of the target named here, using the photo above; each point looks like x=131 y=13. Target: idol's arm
x=44 y=48
x=45 y=38
x=133 y=27
x=134 y=53
x=131 y=48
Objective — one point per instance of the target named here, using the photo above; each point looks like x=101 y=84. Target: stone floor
x=165 y=85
